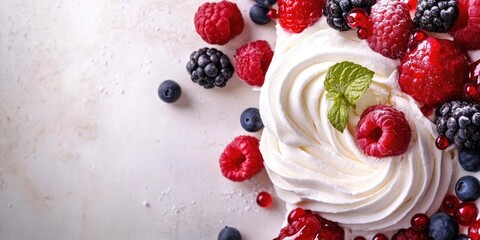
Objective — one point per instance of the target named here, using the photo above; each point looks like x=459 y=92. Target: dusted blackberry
x=436 y=15
x=337 y=10
x=210 y=68
x=459 y=121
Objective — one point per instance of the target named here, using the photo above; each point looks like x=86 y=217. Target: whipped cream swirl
x=314 y=166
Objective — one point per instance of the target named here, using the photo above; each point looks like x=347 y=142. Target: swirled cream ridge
x=319 y=168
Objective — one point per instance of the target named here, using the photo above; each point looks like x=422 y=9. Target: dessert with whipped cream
x=371 y=114
x=317 y=167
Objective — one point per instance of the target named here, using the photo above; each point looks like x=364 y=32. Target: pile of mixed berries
x=437 y=73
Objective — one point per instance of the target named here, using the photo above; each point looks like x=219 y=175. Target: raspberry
x=389 y=26
x=252 y=61
x=296 y=15
x=434 y=71
x=410 y=234
x=310 y=226
x=217 y=23
x=466 y=30
x=436 y=16
x=383 y=131
x=241 y=159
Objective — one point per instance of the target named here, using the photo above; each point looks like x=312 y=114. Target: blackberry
x=210 y=68
x=436 y=15
x=337 y=10
x=459 y=121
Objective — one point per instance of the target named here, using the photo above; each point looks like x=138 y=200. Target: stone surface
x=87 y=148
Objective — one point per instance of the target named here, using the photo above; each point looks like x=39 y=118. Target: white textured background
x=88 y=150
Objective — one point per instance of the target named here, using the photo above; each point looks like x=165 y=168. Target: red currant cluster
x=465 y=213
x=357 y=18
x=418 y=230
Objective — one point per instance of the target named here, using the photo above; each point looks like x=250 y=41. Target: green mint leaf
x=333 y=96
x=338 y=114
x=333 y=83
x=345 y=83
x=362 y=78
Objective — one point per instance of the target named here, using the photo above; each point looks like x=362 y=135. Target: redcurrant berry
x=362 y=33
x=357 y=17
x=264 y=199
x=470 y=90
x=380 y=236
x=441 y=142
x=272 y=13
x=420 y=222
x=419 y=36
x=466 y=213
x=475 y=71
x=416 y=38
x=450 y=203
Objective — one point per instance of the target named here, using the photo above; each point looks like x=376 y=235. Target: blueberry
x=169 y=91
x=462 y=237
x=443 y=227
x=229 y=233
x=251 y=120
x=467 y=188
x=258 y=14
x=469 y=159
x=266 y=3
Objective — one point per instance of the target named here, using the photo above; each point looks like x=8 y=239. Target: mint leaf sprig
x=345 y=83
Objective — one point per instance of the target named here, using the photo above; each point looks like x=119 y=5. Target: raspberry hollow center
x=376 y=134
